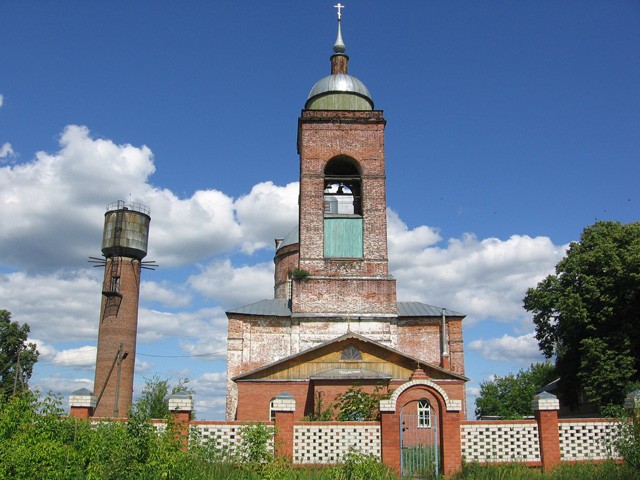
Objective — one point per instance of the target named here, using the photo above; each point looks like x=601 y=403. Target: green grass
x=579 y=471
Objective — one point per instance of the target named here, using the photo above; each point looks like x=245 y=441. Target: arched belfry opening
x=342 y=187
x=343 y=228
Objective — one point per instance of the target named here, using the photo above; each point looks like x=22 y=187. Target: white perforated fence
x=329 y=443
x=500 y=442
x=588 y=440
x=225 y=439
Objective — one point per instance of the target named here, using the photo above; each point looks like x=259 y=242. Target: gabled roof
x=282 y=308
x=414 y=360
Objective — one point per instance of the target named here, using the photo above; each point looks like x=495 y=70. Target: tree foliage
x=356 y=405
x=17 y=356
x=152 y=402
x=588 y=313
x=509 y=397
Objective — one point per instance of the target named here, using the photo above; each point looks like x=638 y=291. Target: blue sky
x=511 y=127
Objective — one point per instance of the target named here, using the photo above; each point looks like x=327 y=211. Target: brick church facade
x=335 y=319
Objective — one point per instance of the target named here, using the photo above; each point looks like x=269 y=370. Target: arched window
x=272 y=412
x=342 y=192
x=424 y=413
x=351 y=353
x=343 y=221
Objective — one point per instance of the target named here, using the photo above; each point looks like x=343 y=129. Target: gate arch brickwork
x=450 y=417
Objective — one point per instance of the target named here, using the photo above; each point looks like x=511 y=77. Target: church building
x=335 y=320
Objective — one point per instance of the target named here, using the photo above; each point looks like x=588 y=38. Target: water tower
x=124 y=245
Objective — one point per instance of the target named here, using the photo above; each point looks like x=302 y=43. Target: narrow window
x=272 y=412
x=424 y=413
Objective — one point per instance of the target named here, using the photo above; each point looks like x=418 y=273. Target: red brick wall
x=254 y=398
x=113 y=331
x=344 y=295
x=286 y=260
x=323 y=135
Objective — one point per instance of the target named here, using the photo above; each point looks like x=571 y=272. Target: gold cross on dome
x=339 y=7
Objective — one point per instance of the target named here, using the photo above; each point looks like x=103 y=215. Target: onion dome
x=339 y=91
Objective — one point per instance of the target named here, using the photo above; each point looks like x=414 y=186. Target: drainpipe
x=445 y=358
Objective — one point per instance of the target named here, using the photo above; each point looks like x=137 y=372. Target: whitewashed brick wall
x=315 y=443
x=587 y=440
x=506 y=442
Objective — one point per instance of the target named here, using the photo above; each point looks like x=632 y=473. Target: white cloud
x=207 y=323
x=6 y=150
x=210 y=395
x=522 y=350
x=1 y=100
x=164 y=293
x=64 y=386
x=267 y=212
x=481 y=278
x=83 y=357
x=52 y=208
x=56 y=306
x=234 y=286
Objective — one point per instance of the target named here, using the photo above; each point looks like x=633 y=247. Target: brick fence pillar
x=390 y=439
x=180 y=407
x=82 y=403
x=284 y=405
x=451 y=442
x=545 y=407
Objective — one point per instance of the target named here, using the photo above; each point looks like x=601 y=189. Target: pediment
x=328 y=361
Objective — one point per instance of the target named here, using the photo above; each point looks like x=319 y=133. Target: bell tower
x=342 y=214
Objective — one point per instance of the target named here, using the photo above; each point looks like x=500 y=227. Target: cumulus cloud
x=207 y=323
x=234 y=286
x=481 y=278
x=165 y=293
x=521 y=350
x=266 y=201
x=56 y=306
x=81 y=357
x=53 y=207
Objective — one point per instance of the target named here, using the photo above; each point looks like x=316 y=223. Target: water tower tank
x=126 y=230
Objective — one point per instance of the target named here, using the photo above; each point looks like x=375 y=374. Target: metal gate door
x=419 y=448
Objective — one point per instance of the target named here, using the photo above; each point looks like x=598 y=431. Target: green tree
x=510 y=396
x=587 y=314
x=356 y=405
x=152 y=402
x=17 y=356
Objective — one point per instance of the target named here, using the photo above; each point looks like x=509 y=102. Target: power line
x=179 y=356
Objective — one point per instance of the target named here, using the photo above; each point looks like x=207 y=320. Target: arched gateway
x=421 y=428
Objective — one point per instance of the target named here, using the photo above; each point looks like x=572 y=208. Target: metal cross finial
x=339 y=7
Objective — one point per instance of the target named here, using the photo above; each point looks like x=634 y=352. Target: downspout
x=445 y=358
x=444 y=333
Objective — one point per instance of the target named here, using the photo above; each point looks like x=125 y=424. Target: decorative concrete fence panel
x=588 y=439
x=500 y=441
x=224 y=437
x=321 y=443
